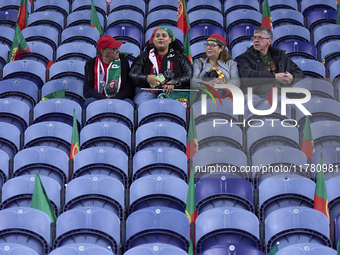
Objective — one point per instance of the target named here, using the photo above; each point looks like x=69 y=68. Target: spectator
x=163 y=55
x=107 y=75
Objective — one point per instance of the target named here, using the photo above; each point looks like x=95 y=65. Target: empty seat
x=4 y=167
x=155 y=248
x=40 y=52
x=78 y=5
x=240 y=48
x=307 y=6
x=156 y=225
x=299 y=49
x=42 y=34
x=158 y=190
x=9 y=139
x=240 y=33
x=155 y=5
x=125 y=17
x=320 y=16
x=85 y=34
x=333 y=196
x=233 y=5
x=201 y=33
x=290 y=32
x=243 y=17
x=317 y=87
x=334 y=73
x=76 y=51
x=231 y=249
x=160 y=160
x=130 y=48
x=195 y=5
x=26 y=226
x=10 y=5
x=311 y=68
x=81 y=248
x=137 y=5
x=3 y=56
x=16 y=249
x=127 y=34
x=206 y=17
x=306 y=248
x=283 y=4
x=330 y=52
x=197 y=50
x=331 y=158
x=295 y=224
x=89 y=225
x=326 y=33
x=47 y=18
x=8 y=18
x=6 y=36
x=325 y=133
x=161 y=18
x=68 y=69
x=109 y=110
x=283 y=17
x=226 y=225
x=14 y=112
x=61 y=6
x=83 y=18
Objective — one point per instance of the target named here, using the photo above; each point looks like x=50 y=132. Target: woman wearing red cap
x=107 y=75
x=216 y=66
x=161 y=65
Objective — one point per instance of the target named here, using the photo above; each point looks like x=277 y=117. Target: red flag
x=270 y=95
x=19 y=45
x=22 y=15
x=182 y=17
x=31 y=1
x=338 y=16
x=307 y=141
x=266 y=17
x=192 y=142
x=75 y=137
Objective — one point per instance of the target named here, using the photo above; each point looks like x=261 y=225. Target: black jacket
x=126 y=90
x=181 y=79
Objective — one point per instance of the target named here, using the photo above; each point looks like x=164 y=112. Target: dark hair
x=265 y=30
x=176 y=45
x=225 y=56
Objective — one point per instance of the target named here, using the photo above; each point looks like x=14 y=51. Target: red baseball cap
x=107 y=41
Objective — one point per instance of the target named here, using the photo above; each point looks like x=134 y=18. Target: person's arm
x=136 y=73
x=295 y=70
x=183 y=80
x=88 y=89
x=197 y=67
x=234 y=74
x=127 y=87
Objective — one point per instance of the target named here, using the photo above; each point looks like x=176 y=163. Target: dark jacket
x=250 y=66
x=126 y=90
x=181 y=79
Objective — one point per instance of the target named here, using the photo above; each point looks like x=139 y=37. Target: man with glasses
x=266 y=64
x=107 y=75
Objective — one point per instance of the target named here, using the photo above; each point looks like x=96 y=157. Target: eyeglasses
x=111 y=49
x=210 y=45
x=260 y=38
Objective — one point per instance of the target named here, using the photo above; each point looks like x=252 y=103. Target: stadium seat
x=320 y=16
x=243 y=17
x=317 y=87
x=3 y=56
x=156 y=225
x=156 y=5
x=197 y=50
x=10 y=5
x=325 y=133
x=26 y=226
x=130 y=48
x=16 y=249
x=126 y=17
x=283 y=17
x=74 y=89
x=161 y=134
x=102 y=161
x=290 y=32
x=20 y=89
x=42 y=34
x=40 y=52
x=307 y=6
x=331 y=158
x=137 y=5
x=4 y=167
x=160 y=160
x=8 y=18
x=61 y=6
x=223 y=192
x=49 y=18
x=218 y=162
x=278 y=162
x=155 y=248
x=307 y=249
x=232 y=249
x=98 y=191
x=206 y=17
x=326 y=33
x=334 y=73
x=333 y=196
x=48 y=161
x=240 y=48
x=240 y=34
x=201 y=33
x=57 y=109
x=126 y=33
x=330 y=52
x=209 y=134
x=89 y=225
x=106 y=134
x=111 y=110
x=17 y=192
x=336 y=230
x=282 y=4
x=83 y=18
x=14 y=112
x=233 y=5
x=81 y=249
x=26 y=69
x=158 y=191
x=54 y=134
x=161 y=18
x=78 y=5
x=276 y=193
x=296 y=224
x=9 y=139
x=226 y=225
x=79 y=34
x=195 y=5
x=311 y=68
x=76 y=51
x=299 y=49
x=6 y=36
x=68 y=69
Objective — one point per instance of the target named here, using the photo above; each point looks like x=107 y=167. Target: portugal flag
x=266 y=17
x=190 y=208
x=75 y=137
x=55 y=94
x=187 y=50
x=95 y=23
x=22 y=15
x=320 y=196
x=182 y=17
x=307 y=141
x=19 y=45
x=192 y=142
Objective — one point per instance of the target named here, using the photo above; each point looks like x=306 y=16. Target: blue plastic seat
x=336 y=230
x=155 y=248
x=331 y=157
x=17 y=192
x=6 y=36
x=42 y=34
x=195 y=5
x=8 y=18
x=325 y=133
x=130 y=48
x=158 y=190
x=287 y=17
x=232 y=5
x=307 y=6
x=9 y=139
x=47 y=18
x=240 y=48
x=137 y=5
x=178 y=33
x=307 y=249
x=333 y=196
x=14 y=112
x=290 y=32
x=330 y=53
x=226 y=225
x=161 y=18
x=57 y=109
x=79 y=34
x=317 y=87
x=126 y=17
x=232 y=249
x=127 y=34
x=76 y=51
x=240 y=34
x=311 y=68
x=95 y=191
x=278 y=162
x=299 y=49
x=102 y=161
x=83 y=18
x=220 y=135
x=243 y=17
x=40 y=52
x=53 y=133
x=10 y=5
x=16 y=249
x=156 y=225
x=282 y=4
x=224 y=192
x=320 y=16
x=206 y=17
x=296 y=224
x=81 y=249
x=106 y=134
x=20 y=89
x=61 y=6
x=156 y=5
x=70 y=69
x=218 y=162
x=26 y=226
x=3 y=56
x=91 y=225
x=74 y=89
x=26 y=69
x=326 y=33
x=197 y=50
x=161 y=134
x=110 y=110
x=334 y=73
x=160 y=160
x=201 y=33
x=48 y=161
x=4 y=167
x=78 y=5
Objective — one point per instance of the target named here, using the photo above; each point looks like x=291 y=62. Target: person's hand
x=168 y=88
x=284 y=78
x=152 y=80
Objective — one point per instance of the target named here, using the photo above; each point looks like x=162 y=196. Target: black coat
x=126 y=90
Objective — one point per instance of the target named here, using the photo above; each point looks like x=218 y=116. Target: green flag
x=307 y=141
x=55 y=94
x=274 y=250
x=191 y=248
x=181 y=96
x=95 y=23
x=187 y=50
x=338 y=16
x=190 y=208
x=338 y=246
x=40 y=199
x=75 y=137
x=266 y=16
x=19 y=45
